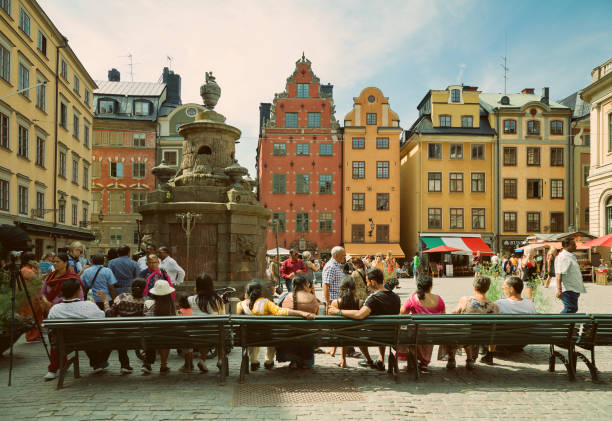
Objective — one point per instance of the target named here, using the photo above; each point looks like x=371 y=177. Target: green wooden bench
x=73 y=335
x=501 y=329
x=328 y=331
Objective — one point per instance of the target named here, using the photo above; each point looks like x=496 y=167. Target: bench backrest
x=598 y=332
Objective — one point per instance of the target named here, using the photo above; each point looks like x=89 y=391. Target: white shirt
x=196 y=309
x=508 y=306
x=494 y=259
x=177 y=274
x=76 y=309
x=142 y=262
x=566 y=264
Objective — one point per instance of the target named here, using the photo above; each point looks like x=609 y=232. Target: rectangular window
x=556 y=157
x=510 y=156
x=6 y=5
x=382 y=233
x=556 y=127
x=303 y=149
x=455 y=95
x=533 y=156
x=478 y=182
x=87 y=97
x=358 y=201
x=533 y=221
x=279 y=183
x=478 y=152
x=534 y=189
x=115 y=236
x=77 y=85
x=22 y=142
x=96 y=201
x=557 y=222
x=96 y=169
x=24 y=80
x=139 y=140
x=478 y=218
x=382 y=169
x=75 y=170
x=325 y=183
x=445 y=121
x=434 y=218
x=358 y=169
x=382 y=143
x=86 y=135
x=64 y=69
x=24 y=21
x=85 y=176
x=41 y=95
x=456 y=151
x=4 y=195
x=456 y=182
x=61 y=213
x=5 y=63
x=61 y=168
x=314 y=119
x=4 y=131
x=434 y=182
x=456 y=218
x=40 y=151
x=75 y=214
x=586 y=216
x=358 y=143
x=609 y=132
x=509 y=126
x=585 y=175
x=139 y=198
x=116 y=202
x=142 y=108
x=434 y=151
x=510 y=221
x=357 y=233
x=116 y=169
x=382 y=201
x=40 y=204
x=22 y=200
x=556 y=188
x=171 y=158
x=280 y=217
x=371 y=119
x=279 y=149
x=302 y=183
x=63 y=115
x=325 y=149
x=302 y=90
x=301 y=222
x=138 y=170
x=533 y=127
x=291 y=120
x=75 y=125
x=135 y=238
x=510 y=188
x=106 y=106
x=325 y=222
x=467 y=121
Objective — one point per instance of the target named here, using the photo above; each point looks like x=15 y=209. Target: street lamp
x=372 y=226
x=188 y=223
x=40 y=213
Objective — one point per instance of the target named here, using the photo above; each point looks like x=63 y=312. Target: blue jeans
x=288 y=284
x=570 y=301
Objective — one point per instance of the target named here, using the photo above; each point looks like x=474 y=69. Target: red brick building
x=299 y=164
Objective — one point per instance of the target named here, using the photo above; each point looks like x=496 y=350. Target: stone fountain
x=206 y=212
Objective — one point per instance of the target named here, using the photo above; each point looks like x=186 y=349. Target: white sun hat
x=161 y=288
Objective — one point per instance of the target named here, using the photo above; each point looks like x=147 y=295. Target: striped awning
x=469 y=244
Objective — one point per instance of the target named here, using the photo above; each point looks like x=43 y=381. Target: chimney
x=327 y=90
x=527 y=91
x=173 y=86
x=264 y=114
x=470 y=88
x=546 y=95
x=114 y=75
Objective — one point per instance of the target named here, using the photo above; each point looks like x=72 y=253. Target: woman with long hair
x=160 y=304
x=347 y=300
x=550 y=265
x=302 y=298
x=528 y=273
x=206 y=301
x=256 y=304
x=359 y=276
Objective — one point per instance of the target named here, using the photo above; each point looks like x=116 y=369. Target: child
x=346 y=301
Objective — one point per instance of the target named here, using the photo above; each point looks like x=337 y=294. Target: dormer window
x=445 y=121
x=142 y=107
x=106 y=106
x=455 y=95
x=302 y=90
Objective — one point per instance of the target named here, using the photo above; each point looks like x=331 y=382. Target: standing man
x=124 y=269
x=333 y=274
x=151 y=249
x=98 y=278
x=177 y=273
x=569 y=277
x=291 y=267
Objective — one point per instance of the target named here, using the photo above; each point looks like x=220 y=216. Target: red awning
x=441 y=249
x=476 y=244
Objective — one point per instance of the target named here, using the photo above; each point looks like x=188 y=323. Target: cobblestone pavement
x=517 y=387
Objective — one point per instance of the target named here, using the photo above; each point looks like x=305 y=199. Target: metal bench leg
x=589 y=364
x=61 y=350
x=551 y=359
x=221 y=354
x=244 y=364
x=77 y=371
x=571 y=366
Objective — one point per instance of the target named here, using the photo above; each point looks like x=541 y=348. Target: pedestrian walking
x=167 y=263
x=569 y=277
x=333 y=274
x=291 y=267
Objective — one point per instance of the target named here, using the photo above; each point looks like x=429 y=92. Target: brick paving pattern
x=516 y=387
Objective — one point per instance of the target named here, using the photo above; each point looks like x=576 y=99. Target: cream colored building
x=45 y=129
x=599 y=95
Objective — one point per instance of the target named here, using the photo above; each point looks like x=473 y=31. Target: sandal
x=294 y=365
x=342 y=365
x=354 y=355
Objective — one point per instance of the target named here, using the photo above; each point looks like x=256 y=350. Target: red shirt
x=288 y=267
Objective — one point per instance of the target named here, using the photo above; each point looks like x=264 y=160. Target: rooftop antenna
x=505 y=65
x=169 y=62
x=131 y=64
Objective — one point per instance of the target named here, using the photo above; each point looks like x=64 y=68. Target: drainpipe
x=341 y=140
x=569 y=207
x=57 y=50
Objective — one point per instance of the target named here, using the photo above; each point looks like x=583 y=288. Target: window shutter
x=119 y=169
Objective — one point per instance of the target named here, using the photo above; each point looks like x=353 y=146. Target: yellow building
x=599 y=95
x=371 y=201
x=531 y=165
x=447 y=174
x=45 y=129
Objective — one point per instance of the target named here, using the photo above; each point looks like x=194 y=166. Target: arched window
x=609 y=216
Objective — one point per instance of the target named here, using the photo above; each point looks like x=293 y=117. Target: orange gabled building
x=299 y=164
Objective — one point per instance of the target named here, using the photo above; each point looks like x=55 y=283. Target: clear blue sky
x=403 y=47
